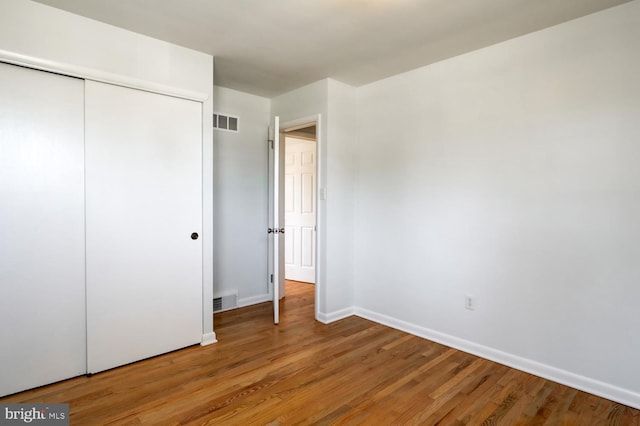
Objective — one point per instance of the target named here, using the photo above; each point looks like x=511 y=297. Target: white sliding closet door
x=143 y=202
x=42 y=292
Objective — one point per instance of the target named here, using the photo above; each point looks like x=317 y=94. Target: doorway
x=304 y=233
x=300 y=187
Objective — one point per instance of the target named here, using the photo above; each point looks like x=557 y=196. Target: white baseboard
x=208 y=339
x=595 y=387
x=335 y=316
x=253 y=300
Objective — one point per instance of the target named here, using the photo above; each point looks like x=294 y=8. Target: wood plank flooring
x=352 y=371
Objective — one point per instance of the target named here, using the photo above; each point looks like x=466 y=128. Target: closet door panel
x=42 y=287
x=143 y=202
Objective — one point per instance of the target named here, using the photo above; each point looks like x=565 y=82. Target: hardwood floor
x=352 y=371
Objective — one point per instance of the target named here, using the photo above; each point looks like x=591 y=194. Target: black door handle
x=194 y=236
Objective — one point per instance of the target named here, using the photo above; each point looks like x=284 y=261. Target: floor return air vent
x=225 y=302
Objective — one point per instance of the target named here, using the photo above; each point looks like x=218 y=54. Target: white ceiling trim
x=99 y=76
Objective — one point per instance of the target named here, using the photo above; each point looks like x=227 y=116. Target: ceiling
x=306 y=133
x=270 y=47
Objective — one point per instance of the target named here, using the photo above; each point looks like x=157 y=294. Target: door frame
x=320 y=213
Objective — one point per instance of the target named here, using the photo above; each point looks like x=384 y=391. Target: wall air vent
x=225 y=302
x=226 y=122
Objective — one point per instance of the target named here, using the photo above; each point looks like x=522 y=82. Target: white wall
x=339 y=162
x=511 y=174
x=241 y=198
x=49 y=34
x=335 y=103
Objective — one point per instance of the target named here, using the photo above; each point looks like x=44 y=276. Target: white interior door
x=276 y=219
x=300 y=209
x=42 y=302
x=143 y=202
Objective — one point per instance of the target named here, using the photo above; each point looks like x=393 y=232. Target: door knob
x=270 y=230
x=194 y=236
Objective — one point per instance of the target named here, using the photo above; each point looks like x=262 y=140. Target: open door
x=276 y=219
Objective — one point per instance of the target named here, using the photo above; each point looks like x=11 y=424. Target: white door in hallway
x=300 y=209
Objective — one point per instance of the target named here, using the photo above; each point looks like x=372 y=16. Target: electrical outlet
x=469 y=302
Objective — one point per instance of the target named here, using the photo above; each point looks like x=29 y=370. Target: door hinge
x=272 y=278
x=270 y=136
